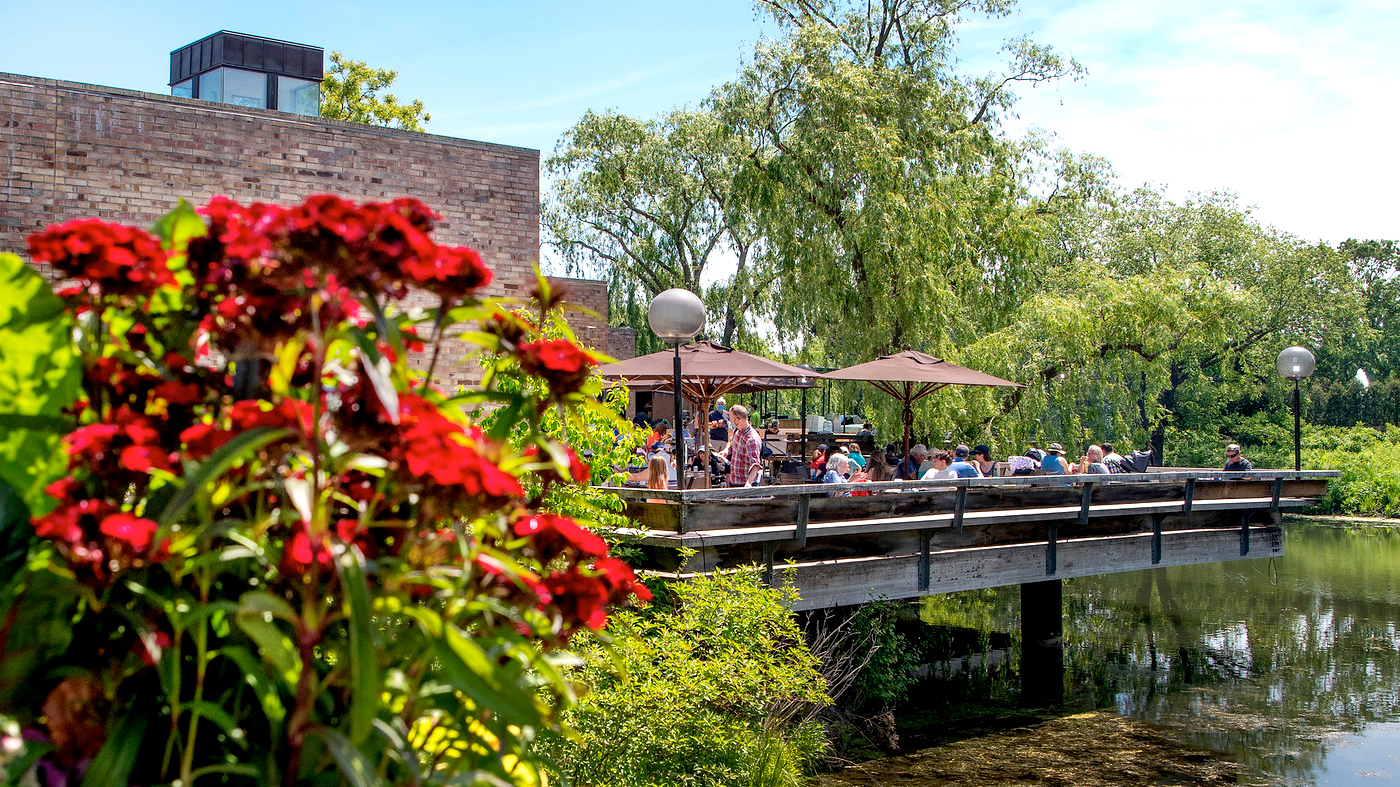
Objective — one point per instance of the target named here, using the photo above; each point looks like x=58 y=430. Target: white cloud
x=1291 y=106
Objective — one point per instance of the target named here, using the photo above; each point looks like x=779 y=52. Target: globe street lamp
x=1296 y=363
x=675 y=316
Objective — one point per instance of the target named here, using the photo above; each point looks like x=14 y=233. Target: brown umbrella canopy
x=911 y=375
x=708 y=371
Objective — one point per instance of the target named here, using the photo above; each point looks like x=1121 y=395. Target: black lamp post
x=676 y=315
x=1296 y=363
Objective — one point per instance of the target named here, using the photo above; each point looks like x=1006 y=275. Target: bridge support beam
x=1042 y=643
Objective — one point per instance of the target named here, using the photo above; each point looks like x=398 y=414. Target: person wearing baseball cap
x=1054 y=461
x=982 y=460
x=961 y=467
x=1233 y=460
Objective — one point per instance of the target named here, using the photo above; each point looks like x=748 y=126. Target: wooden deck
x=908 y=540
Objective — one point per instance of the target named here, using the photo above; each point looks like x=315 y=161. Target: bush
x=719 y=690
x=1369 y=461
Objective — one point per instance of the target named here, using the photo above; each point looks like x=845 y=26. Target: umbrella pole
x=908 y=427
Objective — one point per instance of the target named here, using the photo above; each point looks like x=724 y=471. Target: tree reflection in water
x=1264 y=661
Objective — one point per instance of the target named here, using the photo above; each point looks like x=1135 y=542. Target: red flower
x=177 y=393
x=65 y=489
x=563 y=364
x=202 y=440
x=449 y=271
x=580 y=599
x=619 y=576
x=104 y=258
x=133 y=530
x=89 y=443
x=69 y=522
x=144 y=458
x=553 y=534
x=150 y=651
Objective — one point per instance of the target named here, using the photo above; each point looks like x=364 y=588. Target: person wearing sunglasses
x=1233 y=460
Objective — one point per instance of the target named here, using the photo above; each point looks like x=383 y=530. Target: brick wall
x=72 y=150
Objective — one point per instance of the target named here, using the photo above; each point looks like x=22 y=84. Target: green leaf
x=179 y=226
x=208 y=710
x=39 y=377
x=117 y=757
x=350 y=760
x=255 y=676
x=216 y=465
x=468 y=669
x=275 y=647
x=364 y=671
x=16 y=534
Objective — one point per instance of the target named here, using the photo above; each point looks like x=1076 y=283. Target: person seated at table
x=1112 y=459
x=658 y=470
x=908 y=470
x=961 y=466
x=818 y=466
x=717 y=465
x=982 y=460
x=835 y=474
x=1053 y=463
x=856 y=457
x=660 y=432
x=1091 y=462
x=858 y=477
x=941 y=466
x=877 y=468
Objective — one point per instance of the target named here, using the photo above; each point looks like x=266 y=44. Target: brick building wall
x=73 y=150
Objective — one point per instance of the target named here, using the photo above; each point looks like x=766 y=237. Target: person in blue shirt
x=961 y=467
x=1053 y=463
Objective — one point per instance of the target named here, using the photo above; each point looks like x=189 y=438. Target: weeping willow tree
x=649 y=205
x=850 y=193
x=1161 y=325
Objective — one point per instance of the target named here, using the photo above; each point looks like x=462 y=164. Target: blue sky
x=1291 y=104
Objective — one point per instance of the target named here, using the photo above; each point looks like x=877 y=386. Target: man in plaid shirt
x=743 y=449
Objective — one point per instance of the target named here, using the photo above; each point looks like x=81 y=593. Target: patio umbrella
x=911 y=375
x=708 y=371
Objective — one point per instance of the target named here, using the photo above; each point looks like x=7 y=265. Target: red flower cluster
x=563 y=364
x=288 y=285
x=106 y=259
x=584 y=596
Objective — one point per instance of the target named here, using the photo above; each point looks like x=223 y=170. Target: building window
x=211 y=86
x=234 y=86
x=245 y=88
x=183 y=89
x=300 y=96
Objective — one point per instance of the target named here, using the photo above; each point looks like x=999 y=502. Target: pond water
x=1270 y=672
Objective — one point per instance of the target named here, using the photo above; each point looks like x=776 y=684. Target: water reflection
x=1273 y=663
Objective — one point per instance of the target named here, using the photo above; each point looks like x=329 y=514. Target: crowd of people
x=737 y=450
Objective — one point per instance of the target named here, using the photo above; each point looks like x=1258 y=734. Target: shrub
x=1370 y=465
x=719 y=690
x=275 y=554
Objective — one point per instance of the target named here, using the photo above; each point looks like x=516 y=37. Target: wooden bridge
x=915 y=538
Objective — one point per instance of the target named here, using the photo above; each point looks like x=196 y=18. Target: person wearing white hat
x=1054 y=461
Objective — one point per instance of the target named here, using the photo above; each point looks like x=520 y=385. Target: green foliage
x=717 y=691
x=889 y=672
x=39 y=374
x=1370 y=465
x=350 y=91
